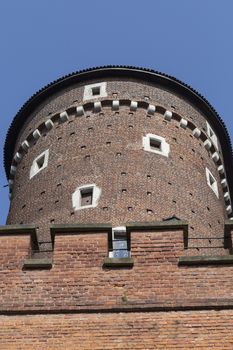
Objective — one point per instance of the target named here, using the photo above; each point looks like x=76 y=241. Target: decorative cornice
x=126 y=72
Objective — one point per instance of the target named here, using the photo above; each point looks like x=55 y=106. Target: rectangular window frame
x=112 y=238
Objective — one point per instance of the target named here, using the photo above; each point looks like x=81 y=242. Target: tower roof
x=129 y=72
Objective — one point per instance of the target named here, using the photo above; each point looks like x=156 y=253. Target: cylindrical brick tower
x=119 y=234
x=147 y=146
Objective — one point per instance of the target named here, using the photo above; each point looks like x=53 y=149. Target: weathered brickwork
x=106 y=149
x=79 y=278
x=60 y=286
x=141 y=331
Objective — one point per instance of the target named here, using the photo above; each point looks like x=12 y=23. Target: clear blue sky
x=44 y=40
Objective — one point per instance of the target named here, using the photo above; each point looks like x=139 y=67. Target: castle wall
x=79 y=280
x=173 y=330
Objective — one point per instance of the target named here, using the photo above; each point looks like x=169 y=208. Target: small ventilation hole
x=123 y=190
x=130 y=208
x=105 y=208
x=149 y=211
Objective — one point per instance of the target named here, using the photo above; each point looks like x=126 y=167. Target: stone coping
x=171 y=225
x=206 y=260
x=16 y=230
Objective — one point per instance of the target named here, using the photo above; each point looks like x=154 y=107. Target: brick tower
x=119 y=229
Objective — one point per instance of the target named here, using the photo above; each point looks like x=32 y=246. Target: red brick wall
x=78 y=283
x=177 y=184
x=141 y=331
x=78 y=280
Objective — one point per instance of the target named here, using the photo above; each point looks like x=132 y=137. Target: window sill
x=118 y=262
x=44 y=263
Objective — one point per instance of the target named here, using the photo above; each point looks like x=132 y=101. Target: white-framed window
x=119 y=243
x=95 y=90
x=212 y=135
x=156 y=144
x=39 y=163
x=86 y=196
x=212 y=182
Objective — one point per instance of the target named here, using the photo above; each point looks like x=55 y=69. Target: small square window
x=156 y=144
x=86 y=197
x=96 y=90
x=119 y=243
x=212 y=135
x=211 y=181
x=39 y=163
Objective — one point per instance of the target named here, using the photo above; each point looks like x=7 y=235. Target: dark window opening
x=211 y=179
x=155 y=144
x=86 y=197
x=40 y=162
x=96 y=90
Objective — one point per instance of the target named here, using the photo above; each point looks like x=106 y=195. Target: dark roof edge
x=119 y=71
